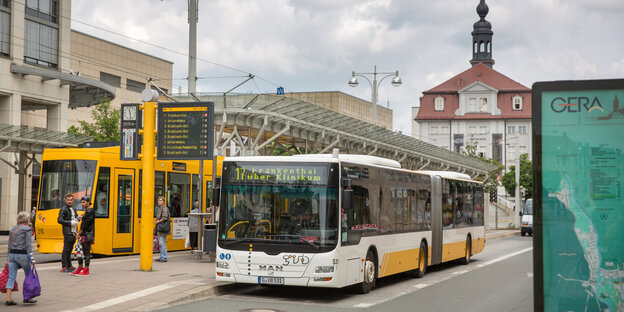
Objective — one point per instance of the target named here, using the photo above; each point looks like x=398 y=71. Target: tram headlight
x=223 y=265
x=324 y=269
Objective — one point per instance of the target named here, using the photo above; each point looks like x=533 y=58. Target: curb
x=192 y=295
x=502 y=235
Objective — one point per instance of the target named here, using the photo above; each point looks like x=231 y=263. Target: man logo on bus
x=267 y=267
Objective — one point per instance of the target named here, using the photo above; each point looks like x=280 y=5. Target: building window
x=483 y=130
x=511 y=129
x=472 y=105
x=5 y=27
x=439 y=104
x=522 y=129
x=434 y=130
x=41 y=36
x=483 y=105
x=444 y=130
x=133 y=85
x=472 y=130
x=112 y=80
x=517 y=102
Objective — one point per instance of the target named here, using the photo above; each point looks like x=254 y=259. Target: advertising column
x=579 y=187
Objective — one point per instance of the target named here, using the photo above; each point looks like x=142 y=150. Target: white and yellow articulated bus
x=340 y=220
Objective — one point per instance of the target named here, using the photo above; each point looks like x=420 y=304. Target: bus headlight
x=324 y=269
x=223 y=265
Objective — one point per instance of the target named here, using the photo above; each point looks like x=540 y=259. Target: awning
x=83 y=92
x=16 y=139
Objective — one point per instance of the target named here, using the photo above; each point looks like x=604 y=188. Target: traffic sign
x=185 y=131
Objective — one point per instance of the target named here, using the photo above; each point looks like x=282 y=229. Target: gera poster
x=579 y=187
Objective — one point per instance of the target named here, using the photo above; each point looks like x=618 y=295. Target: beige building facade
x=127 y=70
x=50 y=78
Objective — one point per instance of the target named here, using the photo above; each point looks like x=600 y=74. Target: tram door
x=123 y=208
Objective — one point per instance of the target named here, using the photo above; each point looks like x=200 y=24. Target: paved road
x=498 y=279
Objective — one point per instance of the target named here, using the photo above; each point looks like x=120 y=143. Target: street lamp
x=396 y=81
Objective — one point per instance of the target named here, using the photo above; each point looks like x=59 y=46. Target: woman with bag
x=163 y=228
x=86 y=237
x=20 y=254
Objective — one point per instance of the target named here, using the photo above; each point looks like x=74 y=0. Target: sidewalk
x=117 y=284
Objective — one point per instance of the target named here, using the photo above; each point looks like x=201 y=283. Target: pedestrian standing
x=162 y=216
x=20 y=253
x=86 y=236
x=69 y=220
x=192 y=225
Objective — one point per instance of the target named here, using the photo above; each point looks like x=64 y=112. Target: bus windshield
x=62 y=177
x=528 y=207
x=271 y=208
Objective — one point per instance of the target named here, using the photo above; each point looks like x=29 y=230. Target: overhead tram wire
x=144 y=42
x=170 y=50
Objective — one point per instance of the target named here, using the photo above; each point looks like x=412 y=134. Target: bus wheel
x=369 y=274
x=467 y=252
x=422 y=261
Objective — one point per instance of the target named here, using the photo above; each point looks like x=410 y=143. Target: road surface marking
x=504 y=257
x=420 y=286
x=111 y=302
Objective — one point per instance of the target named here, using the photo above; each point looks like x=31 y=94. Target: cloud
x=313 y=45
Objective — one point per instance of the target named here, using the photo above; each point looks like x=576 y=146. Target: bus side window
x=102 y=193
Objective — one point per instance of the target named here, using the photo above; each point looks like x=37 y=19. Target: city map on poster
x=582 y=200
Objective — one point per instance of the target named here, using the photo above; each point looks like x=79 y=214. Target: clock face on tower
x=129 y=112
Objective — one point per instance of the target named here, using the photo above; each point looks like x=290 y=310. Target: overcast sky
x=313 y=45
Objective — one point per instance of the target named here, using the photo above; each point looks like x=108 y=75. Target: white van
x=527 y=218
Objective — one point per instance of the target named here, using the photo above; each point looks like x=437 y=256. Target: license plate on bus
x=269 y=280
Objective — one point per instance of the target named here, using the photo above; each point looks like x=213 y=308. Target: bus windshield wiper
x=295 y=236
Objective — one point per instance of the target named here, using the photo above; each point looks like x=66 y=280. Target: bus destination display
x=185 y=131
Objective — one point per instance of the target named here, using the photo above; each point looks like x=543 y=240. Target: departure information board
x=578 y=195
x=185 y=131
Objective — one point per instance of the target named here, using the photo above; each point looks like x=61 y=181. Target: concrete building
x=49 y=77
x=347 y=105
x=478 y=105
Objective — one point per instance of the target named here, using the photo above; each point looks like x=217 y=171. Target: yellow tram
x=115 y=189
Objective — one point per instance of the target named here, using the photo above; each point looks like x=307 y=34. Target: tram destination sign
x=185 y=131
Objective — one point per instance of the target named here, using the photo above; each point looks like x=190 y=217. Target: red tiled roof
x=507 y=88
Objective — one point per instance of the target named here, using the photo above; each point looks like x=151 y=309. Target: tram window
x=124 y=205
x=179 y=193
x=194 y=191
x=102 y=193
x=159 y=188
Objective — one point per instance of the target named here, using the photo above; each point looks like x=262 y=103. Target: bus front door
x=122 y=212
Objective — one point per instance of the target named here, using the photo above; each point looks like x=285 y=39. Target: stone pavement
x=117 y=284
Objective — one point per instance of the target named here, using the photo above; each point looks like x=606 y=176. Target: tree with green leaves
x=526 y=177
x=490 y=181
x=106 y=123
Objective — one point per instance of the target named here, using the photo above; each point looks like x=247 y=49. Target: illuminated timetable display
x=185 y=131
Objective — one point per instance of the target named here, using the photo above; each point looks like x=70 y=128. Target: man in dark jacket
x=86 y=236
x=69 y=220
